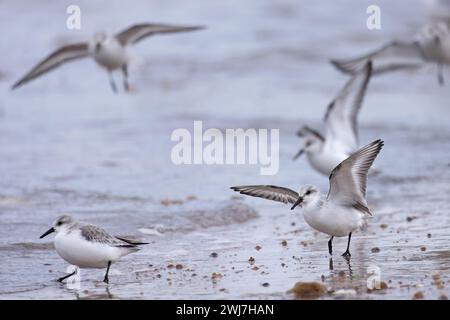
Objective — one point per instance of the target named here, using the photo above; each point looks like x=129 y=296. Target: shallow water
x=69 y=145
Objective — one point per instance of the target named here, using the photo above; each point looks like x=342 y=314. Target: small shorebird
x=430 y=45
x=345 y=207
x=324 y=153
x=88 y=246
x=110 y=52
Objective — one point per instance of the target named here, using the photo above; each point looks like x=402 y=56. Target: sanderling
x=88 y=246
x=341 y=128
x=110 y=52
x=430 y=45
x=345 y=207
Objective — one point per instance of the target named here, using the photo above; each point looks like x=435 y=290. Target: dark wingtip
x=369 y=67
x=338 y=65
x=196 y=28
x=16 y=85
x=378 y=143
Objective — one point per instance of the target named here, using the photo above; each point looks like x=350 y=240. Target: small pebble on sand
x=265 y=284
x=216 y=276
x=418 y=295
x=423 y=248
x=214 y=255
x=169 y=202
x=284 y=243
x=383 y=226
x=308 y=290
x=257 y=248
x=179 y=266
x=375 y=250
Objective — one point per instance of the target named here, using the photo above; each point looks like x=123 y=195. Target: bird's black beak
x=51 y=230
x=298 y=154
x=299 y=201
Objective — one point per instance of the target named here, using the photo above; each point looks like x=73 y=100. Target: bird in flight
x=324 y=153
x=108 y=51
x=431 y=45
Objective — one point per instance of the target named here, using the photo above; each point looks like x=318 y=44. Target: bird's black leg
x=330 y=245
x=440 y=74
x=111 y=82
x=67 y=276
x=106 y=279
x=125 y=77
x=347 y=252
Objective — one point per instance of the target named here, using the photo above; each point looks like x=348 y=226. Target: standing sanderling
x=88 y=246
x=341 y=127
x=343 y=210
x=110 y=52
x=432 y=44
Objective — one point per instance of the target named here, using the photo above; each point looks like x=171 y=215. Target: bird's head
x=99 y=39
x=306 y=194
x=61 y=223
x=312 y=141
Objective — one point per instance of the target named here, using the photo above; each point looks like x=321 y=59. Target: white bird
x=110 y=52
x=88 y=246
x=345 y=207
x=324 y=153
x=431 y=45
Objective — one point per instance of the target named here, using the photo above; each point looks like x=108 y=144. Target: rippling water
x=69 y=145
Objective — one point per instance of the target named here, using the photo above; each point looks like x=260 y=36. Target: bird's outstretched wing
x=274 y=193
x=349 y=179
x=340 y=119
x=60 y=56
x=138 y=32
x=395 y=55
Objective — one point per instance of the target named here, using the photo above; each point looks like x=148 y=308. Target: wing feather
x=138 y=32
x=269 y=192
x=96 y=234
x=341 y=117
x=349 y=179
x=58 y=57
x=395 y=55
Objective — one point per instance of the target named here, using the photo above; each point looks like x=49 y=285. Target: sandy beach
x=69 y=145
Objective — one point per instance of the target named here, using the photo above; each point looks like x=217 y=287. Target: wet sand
x=71 y=146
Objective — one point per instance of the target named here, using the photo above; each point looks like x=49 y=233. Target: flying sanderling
x=345 y=207
x=432 y=44
x=324 y=153
x=88 y=246
x=110 y=52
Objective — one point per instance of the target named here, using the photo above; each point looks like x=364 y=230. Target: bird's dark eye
x=308 y=192
x=59 y=223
